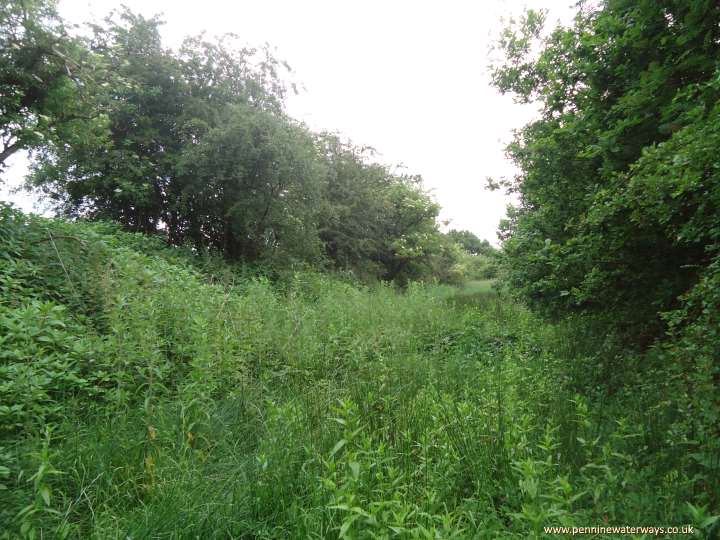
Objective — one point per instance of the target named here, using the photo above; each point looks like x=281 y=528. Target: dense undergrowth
x=146 y=393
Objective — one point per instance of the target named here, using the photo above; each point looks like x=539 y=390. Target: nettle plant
x=368 y=493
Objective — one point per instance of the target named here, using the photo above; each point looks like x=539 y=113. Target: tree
x=470 y=242
x=375 y=223
x=46 y=77
x=196 y=145
x=353 y=206
x=629 y=80
x=250 y=188
x=159 y=106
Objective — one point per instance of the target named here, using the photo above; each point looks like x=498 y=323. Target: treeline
x=618 y=222
x=619 y=187
x=195 y=144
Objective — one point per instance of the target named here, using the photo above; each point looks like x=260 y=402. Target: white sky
x=408 y=78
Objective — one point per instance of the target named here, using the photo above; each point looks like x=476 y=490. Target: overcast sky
x=408 y=78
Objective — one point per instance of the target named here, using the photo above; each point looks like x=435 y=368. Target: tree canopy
x=195 y=144
x=46 y=78
x=470 y=242
x=618 y=182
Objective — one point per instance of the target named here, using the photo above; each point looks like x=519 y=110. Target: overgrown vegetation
x=619 y=192
x=242 y=329
x=148 y=393
x=619 y=189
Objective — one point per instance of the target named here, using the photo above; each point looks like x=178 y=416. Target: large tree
x=160 y=105
x=250 y=188
x=376 y=223
x=196 y=144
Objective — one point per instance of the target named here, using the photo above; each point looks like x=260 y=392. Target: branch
x=9 y=151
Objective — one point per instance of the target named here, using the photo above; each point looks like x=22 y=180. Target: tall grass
x=143 y=398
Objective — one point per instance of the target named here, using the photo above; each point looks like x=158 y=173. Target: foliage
x=206 y=380
x=618 y=183
x=476 y=260
x=198 y=406
x=196 y=145
x=361 y=202
x=159 y=106
x=470 y=242
x=250 y=187
x=46 y=78
x=617 y=231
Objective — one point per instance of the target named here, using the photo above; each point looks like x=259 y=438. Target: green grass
x=151 y=400
x=475 y=293
x=478 y=286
